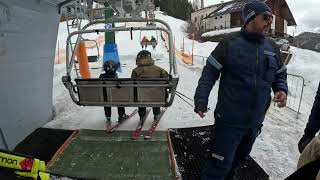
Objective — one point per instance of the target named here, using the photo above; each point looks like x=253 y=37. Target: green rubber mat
x=94 y=154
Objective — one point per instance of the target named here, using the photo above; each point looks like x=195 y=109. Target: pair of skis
x=136 y=134
x=110 y=128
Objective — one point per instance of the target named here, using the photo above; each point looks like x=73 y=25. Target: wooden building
x=229 y=15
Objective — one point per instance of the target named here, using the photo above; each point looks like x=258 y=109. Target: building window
x=238 y=23
x=215 y=27
x=221 y=27
x=201 y=17
x=195 y=19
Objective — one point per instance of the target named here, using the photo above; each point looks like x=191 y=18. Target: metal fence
x=295 y=92
x=199 y=60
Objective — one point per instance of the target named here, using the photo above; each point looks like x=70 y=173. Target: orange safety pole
x=83 y=61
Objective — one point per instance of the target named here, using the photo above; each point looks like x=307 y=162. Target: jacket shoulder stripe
x=270 y=53
x=213 y=61
x=282 y=69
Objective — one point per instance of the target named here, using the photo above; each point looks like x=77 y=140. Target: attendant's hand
x=280 y=97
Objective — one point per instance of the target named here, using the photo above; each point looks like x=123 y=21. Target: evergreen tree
x=180 y=9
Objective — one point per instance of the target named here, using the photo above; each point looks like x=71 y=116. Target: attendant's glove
x=200 y=109
x=306 y=138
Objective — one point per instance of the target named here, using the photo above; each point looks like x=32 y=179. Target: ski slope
x=276 y=147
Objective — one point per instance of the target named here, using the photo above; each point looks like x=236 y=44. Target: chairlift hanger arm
x=69 y=65
x=111 y=20
x=136 y=92
x=116 y=20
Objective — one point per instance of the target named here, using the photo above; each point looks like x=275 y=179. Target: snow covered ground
x=275 y=149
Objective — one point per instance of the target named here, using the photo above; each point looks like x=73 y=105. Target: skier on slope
x=153 y=42
x=144 y=42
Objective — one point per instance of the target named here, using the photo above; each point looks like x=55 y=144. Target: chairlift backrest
x=126 y=92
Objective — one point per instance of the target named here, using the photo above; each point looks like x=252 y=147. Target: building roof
x=228 y=7
x=287 y=14
x=208 y=7
x=237 y=5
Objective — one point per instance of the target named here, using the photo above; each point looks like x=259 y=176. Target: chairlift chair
x=128 y=92
x=93 y=58
x=284 y=47
x=149 y=43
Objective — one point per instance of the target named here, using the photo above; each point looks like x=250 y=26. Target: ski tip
x=107 y=130
x=134 y=138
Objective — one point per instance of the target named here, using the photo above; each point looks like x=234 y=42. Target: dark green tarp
x=95 y=154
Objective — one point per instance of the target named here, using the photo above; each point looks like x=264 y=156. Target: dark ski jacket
x=313 y=124
x=107 y=75
x=147 y=69
x=248 y=65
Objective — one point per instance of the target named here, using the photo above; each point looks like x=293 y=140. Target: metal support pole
x=4 y=142
x=192 y=46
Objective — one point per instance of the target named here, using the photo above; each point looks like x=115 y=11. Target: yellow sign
x=28 y=167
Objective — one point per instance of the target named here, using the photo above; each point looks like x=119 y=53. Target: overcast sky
x=305 y=12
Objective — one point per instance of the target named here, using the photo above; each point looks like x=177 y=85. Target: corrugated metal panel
x=28 y=33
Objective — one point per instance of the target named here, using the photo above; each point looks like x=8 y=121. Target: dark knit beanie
x=253 y=8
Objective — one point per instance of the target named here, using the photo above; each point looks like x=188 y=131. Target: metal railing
x=199 y=60
x=295 y=91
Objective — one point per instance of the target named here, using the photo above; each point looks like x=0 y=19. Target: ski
x=135 y=134
x=154 y=125
x=117 y=124
x=108 y=125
